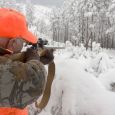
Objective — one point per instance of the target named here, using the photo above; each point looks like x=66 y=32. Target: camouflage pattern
x=20 y=83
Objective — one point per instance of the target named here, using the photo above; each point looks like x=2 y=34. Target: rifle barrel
x=53 y=47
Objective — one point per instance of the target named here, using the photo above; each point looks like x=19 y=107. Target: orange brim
x=28 y=36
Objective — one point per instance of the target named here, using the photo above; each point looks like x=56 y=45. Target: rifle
x=40 y=46
x=51 y=73
x=42 y=43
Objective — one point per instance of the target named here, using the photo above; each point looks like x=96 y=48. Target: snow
x=84 y=82
x=76 y=92
x=108 y=79
x=110 y=30
x=102 y=63
x=111 y=7
x=88 y=14
x=42 y=13
x=76 y=89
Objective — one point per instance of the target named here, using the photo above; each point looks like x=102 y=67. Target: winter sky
x=56 y=3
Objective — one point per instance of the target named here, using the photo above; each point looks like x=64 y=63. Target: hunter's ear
x=15 y=45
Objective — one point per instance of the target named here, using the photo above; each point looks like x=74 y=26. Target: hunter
x=21 y=82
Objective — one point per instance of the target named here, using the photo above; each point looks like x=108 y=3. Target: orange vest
x=13 y=111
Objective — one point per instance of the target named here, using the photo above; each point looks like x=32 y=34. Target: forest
x=78 y=21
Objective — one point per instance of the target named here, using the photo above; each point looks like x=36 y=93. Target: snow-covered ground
x=84 y=82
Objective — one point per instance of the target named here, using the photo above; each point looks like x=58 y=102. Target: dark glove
x=47 y=56
x=31 y=54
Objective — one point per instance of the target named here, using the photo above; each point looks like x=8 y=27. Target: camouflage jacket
x=20 y=83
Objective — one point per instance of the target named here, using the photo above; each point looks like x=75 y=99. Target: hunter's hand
x=47 y=56
x=31 y=54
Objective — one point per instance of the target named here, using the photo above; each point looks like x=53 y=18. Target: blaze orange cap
x=13 y=24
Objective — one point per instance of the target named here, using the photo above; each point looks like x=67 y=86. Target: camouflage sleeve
x=26 y=83
x=33 y=71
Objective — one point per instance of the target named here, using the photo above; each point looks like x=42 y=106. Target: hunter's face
x=14 y=45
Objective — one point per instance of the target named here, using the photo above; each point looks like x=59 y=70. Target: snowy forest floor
x=84 y=83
